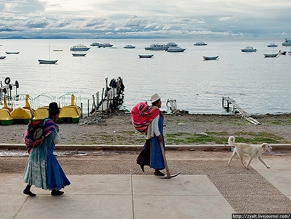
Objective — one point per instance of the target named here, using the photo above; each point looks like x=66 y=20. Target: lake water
x=259 y=85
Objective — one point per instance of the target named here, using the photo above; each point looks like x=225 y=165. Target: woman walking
x=151 y=153
x=42 y=169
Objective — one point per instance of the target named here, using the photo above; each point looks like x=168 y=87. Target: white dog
x=253 y=151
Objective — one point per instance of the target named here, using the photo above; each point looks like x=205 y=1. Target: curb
x=138 y=147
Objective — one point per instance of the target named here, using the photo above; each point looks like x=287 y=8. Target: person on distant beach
x=42 y=168
x=151 y=153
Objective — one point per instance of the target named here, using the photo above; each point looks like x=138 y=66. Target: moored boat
x=287 y=42
x=272 y=45
x=2 y=57
x=78 y=54
x=12 y=52
x=22 y=114
x=79 y=47
x=175 y=49
x=271 y=55
x=5 y=116
x=146 y=55
x=249 y=49
x=210 y=57
x=70 y=113
x=157 y=47
x=129 y=47
x=104 y=45
x=47 y=61
x=200 y=44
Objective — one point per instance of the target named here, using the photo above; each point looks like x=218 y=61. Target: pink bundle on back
x=141 y=116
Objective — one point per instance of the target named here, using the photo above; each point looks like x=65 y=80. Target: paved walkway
x=136 y=196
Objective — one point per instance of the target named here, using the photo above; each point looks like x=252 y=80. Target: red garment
x=141 y=116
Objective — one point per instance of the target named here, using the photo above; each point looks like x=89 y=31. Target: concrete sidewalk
x=146 y=196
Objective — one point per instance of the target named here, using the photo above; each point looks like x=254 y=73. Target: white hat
x=154 y=98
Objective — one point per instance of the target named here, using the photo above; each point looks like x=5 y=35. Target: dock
x=227 y=101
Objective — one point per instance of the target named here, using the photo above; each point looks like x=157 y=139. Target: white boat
x=272 y=45
x=47 y=61
x=249 y=49
x=78 y=54
x=172 y=44
x=12 y=52
x=271 y=55
x=287 y=42
x=157 y=47
x=94 y=44
x=79 y=47
x=175 y=49
x=129 y=47
x=146 y=55
x=210 y=57
x=200 y=44
x=2 y=57
x=105 y=45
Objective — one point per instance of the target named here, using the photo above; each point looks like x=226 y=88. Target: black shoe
x=159 y=173
x=28 y=192
x=56 y=192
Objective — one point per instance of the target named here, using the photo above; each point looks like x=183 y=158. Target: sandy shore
x=116 y=129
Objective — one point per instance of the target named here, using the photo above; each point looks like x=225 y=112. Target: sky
x=145 y=19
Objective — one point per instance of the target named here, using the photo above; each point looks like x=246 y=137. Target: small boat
x=5 y=116
x=249 y=49
x=94 y=44
x=175 y=49
x=287 y=42
x=210 y=57
x=2 y=57
x=129 y=47
x=78 y=54
x=272 y=45
x=146 y=55
x=157 y=47
x=22 y=114
x=103 y=45
x=70 y=113
x=200 y=44
x=46 y=61
x=12 y=52
x=172 y=44
x=79 y=47
x=271 y=55
x=282 y=52
x=57 y=50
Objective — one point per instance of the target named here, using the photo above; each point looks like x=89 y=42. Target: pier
x=227 y=101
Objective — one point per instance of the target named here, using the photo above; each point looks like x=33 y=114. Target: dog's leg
x=260 y=158
x=249 y=162
x=232 y=156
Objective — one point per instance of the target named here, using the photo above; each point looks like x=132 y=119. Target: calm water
x=259 y=85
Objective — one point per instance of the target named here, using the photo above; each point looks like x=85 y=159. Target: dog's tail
x=231 y=140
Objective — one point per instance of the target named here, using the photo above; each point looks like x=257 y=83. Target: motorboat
x=79 y=47
x=78 y=54
x=12 y=52
x=94 y=44
x=47 y=61
x=271 y=55
x=172 y=44
x=287 y=42
x=249 y=49
x=200 y=44
x=157 y=47
x=175 y=49
x=210 y=57
x=2 y=57
x=103 y=45
x=146 y=55
x=272 y=45
x=129 y=47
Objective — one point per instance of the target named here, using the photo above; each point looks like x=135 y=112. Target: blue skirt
x=156 y=156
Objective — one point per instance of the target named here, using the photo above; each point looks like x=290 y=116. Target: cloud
x=151 y=18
